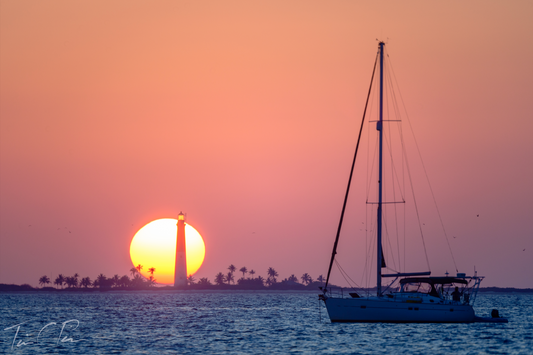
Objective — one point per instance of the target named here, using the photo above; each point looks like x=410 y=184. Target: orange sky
x=244 y=114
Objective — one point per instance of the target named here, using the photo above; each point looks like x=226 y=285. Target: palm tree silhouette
x=205 y=281
x=116 y=280
x=219 y=278
x=44 y=280
x=252 y=272
x=125 y=280
x=139 y=268
x=190 y=280
x=244 y=270
x=229 y=278
x=133 y=271
x=306 y=279
x=85 y=282
x=59 y=280
x=232 y=268
x=151 y=271
x=272 y=274
x=100 y=280
x=71 y=281
x=151 y=281
x=75 y=279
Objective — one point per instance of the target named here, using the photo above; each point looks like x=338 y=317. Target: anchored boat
x=417 y=297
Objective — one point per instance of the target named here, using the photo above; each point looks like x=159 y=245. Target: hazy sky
x=244 y=115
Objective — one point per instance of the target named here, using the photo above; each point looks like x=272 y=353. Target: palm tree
x=219 y=278
x=75 y=279
x=85 y=282
x=306 y=278
x=190 y=280
x=151 y=271
x=44 y=280
x=71 y=281
x=272 y=274
x=261 y=279
x=133 y=271
x=320 y=278
x=139 y=268
x=125 y=280
x=59 y=280
x=151 y=281
x=100 y=280
x=205 y=281
x=229 y=278
x=116 y=280
x=292 y=278
x=244 y=270
x=252 y=272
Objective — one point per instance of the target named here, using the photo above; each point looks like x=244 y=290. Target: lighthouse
x=180 y=271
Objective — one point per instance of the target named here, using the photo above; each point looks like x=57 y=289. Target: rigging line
x=403 y=155
x=374 y=247
x=375 y=155
x=416 y=209
x=369 y=171
x=387 y=236
x=351 y=173
x=341 y=270
x=372 y=236
x=425 y=172
x=394 y=170
x=368 y=229
x=347 y=275
x=409 y=175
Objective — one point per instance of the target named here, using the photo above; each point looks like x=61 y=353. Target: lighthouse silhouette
x=180 y=271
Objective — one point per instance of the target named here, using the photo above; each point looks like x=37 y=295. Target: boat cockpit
x=433 y=289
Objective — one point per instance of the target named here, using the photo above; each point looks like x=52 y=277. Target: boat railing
x=340 y=292
x=468 y=294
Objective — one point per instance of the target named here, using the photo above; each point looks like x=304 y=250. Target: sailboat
x=418 y=296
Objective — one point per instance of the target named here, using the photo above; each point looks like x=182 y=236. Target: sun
x=154 y=245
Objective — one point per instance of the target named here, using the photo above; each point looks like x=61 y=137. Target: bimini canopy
x=434 y=280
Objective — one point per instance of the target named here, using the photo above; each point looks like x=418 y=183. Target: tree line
x=222 y=278
x=136 y=281
x=228 y=278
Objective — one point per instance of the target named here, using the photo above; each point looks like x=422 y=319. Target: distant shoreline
x=8 y=288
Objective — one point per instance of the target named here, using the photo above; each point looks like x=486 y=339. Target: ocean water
x=240 y=323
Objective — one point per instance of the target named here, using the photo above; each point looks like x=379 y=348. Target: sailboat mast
x=380 y=181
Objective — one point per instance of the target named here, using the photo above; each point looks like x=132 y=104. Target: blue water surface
x=192 y=322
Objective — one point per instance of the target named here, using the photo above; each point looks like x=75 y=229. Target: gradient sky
x=244 y=115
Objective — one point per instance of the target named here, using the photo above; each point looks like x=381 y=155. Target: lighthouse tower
x=180 y=272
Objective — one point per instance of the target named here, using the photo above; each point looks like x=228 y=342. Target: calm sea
x=239 y=323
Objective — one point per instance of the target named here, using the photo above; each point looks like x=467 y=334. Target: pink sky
x=244 y=115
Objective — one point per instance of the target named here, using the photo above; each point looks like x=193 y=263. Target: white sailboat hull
x=390 y=311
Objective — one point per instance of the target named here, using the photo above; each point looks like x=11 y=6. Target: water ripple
x=241 y=323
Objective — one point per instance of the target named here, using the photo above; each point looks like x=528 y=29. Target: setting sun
x=154 y=245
